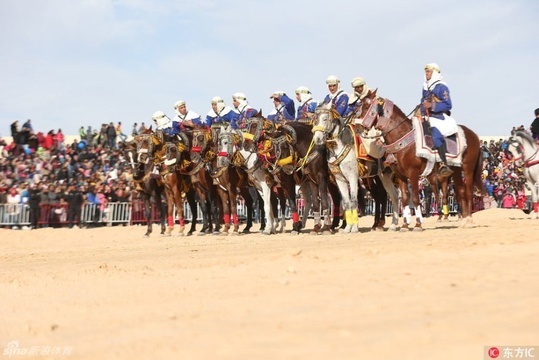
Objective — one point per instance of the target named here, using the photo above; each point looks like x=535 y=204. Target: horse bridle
x=520 y=147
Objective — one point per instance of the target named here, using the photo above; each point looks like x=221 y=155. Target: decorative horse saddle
x=456 y=144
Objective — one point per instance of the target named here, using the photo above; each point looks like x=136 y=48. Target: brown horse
x=231 y=178
x=310 y=165
x=200 y=156
x=398 y=133
x=172 y=159
x=150 y=188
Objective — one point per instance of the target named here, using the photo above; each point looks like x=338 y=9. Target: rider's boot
x=443 y=170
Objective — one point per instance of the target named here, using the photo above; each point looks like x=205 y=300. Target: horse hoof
x=294 y=232
x=201 y=234
x=181 y=234
x=418 y=229
x=404 y=229
x=146 y=235
x=216 y=233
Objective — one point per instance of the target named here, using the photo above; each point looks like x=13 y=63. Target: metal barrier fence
x=56 y=215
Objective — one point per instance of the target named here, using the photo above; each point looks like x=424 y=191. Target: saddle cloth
x=456 y=144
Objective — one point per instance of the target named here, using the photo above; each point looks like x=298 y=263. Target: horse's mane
x=526 y=136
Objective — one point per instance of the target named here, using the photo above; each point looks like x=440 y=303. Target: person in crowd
x=119 y=132
x=111 y=135
x=134 y=132
x=534 y=127
x=82 y=133
x=74 y=199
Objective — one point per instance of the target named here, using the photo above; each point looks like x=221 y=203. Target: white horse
x=230 y=146
x=373 y=141
x=342 y=160
x=526 y=152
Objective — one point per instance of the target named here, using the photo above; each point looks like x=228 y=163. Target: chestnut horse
x=173 y=161
x=230 y=176
x=149 y=187
x=398 y=133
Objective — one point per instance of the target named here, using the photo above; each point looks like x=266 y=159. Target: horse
x=330 y=130
x=310 y=166
x=200 y=157
x=398 y=133
x=149 y=187
x=173 y=160
x=278 y=156
x=526 y=152
x=345 y=164
x=377 y=178
x=230 y=176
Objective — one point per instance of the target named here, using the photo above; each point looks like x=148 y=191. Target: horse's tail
x=478 y=172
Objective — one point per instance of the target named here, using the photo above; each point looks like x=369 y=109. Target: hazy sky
x=68 y=63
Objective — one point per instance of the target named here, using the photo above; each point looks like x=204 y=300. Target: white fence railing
x=132 y=213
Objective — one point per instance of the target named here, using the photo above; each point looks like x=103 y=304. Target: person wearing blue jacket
x=436 y=109
x=242 y=109
x=337 y=97
x=283 y=108
x=220 y=114
x=307 y=105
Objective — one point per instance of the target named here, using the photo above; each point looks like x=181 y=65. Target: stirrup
x=444 y=170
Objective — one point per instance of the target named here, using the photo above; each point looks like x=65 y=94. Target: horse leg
x=225 y=205
x=191 y=200
x=414 y=185
x=266 y=196
x=336 y=200
x=148 y=214
x=307 y=202
x=345 y=196
x=170 y=213
x=323 y=193
x=406 y=215
x=290 y=192
x=391 y=190
x=204 y=207
x=233 y=196
x=246 y=195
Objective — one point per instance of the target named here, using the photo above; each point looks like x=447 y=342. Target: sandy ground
x=109 y=293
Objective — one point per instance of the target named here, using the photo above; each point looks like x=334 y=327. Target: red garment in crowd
x=49 y=142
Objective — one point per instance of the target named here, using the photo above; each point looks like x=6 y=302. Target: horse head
x=326 y=123
x=201 y=144
x=254 y=130
x=226 y=146
x=522 y=146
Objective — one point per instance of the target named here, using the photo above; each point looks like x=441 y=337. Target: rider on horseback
x=242 y=109
x=360 y=91
x=187 y=119
x=337 y=97
x=220 y=114
x=284 y=108
x=436 y=109
x=307 y=105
